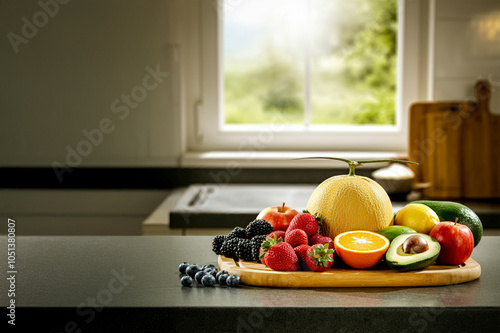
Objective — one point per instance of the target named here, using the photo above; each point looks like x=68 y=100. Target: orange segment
x=361 y=249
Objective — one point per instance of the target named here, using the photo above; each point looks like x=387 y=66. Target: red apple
x=456 y=240
x=279 y=216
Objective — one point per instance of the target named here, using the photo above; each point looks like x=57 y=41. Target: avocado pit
x=415 y=244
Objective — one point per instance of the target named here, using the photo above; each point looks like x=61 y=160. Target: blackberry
x=259 y=227
x=229 y=247
x=238 y=232
x=217 y=243
x=255 y=244
x=244 y=250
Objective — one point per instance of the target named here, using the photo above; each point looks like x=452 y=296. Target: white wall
x=66 y=75
x=467 y=48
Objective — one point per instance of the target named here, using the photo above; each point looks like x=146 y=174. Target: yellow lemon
x=419 y=217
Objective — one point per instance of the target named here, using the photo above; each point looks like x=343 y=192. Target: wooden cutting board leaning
x=457 y=146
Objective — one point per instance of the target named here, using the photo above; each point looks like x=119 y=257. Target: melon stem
x=353 y=164
x=352 y=167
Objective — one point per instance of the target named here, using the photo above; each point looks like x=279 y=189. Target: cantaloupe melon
x=351 y=202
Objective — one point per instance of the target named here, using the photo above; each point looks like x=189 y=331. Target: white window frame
x=205 y=132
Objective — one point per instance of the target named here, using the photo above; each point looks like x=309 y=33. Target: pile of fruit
x=349 y=221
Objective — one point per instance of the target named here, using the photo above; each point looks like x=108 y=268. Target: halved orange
x=360 y=249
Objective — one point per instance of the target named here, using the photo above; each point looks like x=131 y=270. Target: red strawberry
x=319 y=258
x=330 y=242
x=282 y=257
x=262 y=254
x=271 y=240
x=326 y=240
x=321 y=240
x=278 y=233
x=305 y=221
x=296 y=237
x=315 y=239
x=301 y=251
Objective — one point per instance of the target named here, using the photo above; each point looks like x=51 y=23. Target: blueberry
x=182 y=267
x=186 y=281
x=233 y=280
x=222 y=279
x=208 y=280
x=219 y=273
x=211 y=271
x=199 y=275
x=206 y=266
x=191 y=270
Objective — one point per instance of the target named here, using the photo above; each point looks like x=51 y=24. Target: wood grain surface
x=256 y=274
x=456 y=144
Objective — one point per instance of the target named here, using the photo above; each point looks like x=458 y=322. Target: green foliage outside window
x=352 y=66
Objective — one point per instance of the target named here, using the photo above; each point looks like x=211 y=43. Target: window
x=310 y=61
x=290 y=85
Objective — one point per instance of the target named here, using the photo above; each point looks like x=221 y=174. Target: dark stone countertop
x=131 y=284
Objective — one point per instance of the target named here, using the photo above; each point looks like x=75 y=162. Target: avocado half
x=397 y=259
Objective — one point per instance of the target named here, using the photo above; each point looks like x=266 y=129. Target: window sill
x=279 y=159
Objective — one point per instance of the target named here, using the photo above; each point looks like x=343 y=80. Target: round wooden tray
x=253 y=273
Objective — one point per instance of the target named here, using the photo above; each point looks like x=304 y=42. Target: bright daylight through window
x=310 y=62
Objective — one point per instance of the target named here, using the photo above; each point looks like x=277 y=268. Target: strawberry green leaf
x=321 y=255
x=266 y=245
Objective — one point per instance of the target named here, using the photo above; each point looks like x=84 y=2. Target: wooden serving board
x=253 y=273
